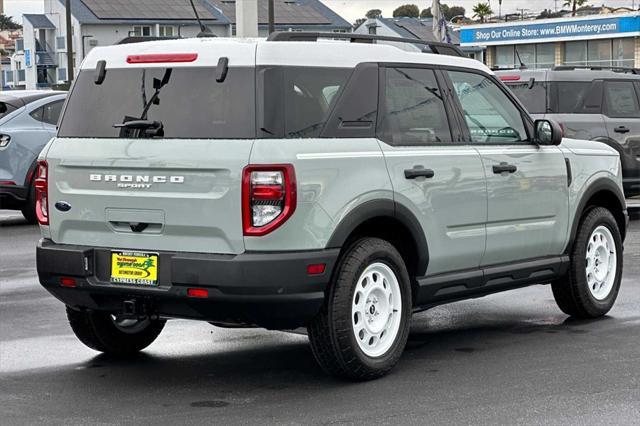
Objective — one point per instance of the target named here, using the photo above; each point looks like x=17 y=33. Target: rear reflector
x=201 y=293
x=510 y=77
x=154 y=58
x=316 y=269
x=67 y=282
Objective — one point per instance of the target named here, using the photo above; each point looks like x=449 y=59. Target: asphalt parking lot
x=512 y=358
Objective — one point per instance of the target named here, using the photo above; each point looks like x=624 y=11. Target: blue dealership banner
x=529 y=31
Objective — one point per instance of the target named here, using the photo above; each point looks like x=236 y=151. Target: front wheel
x=363 y=329
x=591 y=286
x=107 y=333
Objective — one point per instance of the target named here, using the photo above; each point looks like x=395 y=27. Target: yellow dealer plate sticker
x=134 y=268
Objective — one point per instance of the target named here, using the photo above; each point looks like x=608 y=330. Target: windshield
x=186 y=102
x=534 y=98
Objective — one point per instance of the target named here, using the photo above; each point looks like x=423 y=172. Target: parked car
x=296 y=182
x=589 y=103
x=27 y=122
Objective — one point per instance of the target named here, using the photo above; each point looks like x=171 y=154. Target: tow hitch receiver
x=135 y=308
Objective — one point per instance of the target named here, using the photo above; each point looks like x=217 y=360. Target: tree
x=374 y=13
x=407 y=11
x=574 y=4
x=548 y=13
x=448 y=12
x=7 y=23
x=359 y=22
x=482 y=10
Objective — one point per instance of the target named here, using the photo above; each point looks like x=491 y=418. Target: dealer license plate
x=134 y=268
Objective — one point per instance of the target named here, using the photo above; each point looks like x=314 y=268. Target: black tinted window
x=296 y=101
x=534 y=98
x=414 y=112
x=621 y=99
x=51 y=112
x=570 y=97
x=192 y=104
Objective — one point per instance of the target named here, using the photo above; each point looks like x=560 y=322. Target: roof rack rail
x=435 y=47
x=140 y=39
x=595 y=68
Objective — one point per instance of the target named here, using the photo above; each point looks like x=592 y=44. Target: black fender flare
x=383 y=208
x=600 y=184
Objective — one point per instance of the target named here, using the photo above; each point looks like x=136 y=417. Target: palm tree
x=482 y=10
x=574 y=4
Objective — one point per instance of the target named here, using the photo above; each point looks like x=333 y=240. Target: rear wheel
x=591 y=287
x=29 y=208
x=363 y=329
x=107 y=333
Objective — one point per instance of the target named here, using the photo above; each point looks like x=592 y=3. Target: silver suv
x=301 y=182
x=590 y=103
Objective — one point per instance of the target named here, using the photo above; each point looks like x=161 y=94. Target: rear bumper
x=13 y=196
x=271 y=290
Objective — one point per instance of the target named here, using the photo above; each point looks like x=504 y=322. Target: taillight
x=154 y=58
x=41 y=185
x=510 y=77
x=268 y=197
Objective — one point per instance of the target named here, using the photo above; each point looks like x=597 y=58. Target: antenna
x=204 y=31
x=523 y=66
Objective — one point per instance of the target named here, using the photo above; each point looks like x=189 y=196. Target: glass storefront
x=534 y=56
x=605 y=53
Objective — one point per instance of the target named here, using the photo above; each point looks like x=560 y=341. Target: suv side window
x=413 y=111
x=621 y=100
x=490 y=114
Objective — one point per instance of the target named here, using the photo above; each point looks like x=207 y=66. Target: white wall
x=31 y=73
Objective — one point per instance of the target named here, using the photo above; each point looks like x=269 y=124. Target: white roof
x=254 y=52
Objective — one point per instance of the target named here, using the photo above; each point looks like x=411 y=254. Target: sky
x=354 y=9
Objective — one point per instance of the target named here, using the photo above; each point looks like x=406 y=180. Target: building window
x=624 y=52
x=603 y=53
x=167 y=31
x=599 y=52
x=505 y=57
x=141 y=30
x=372 y=29
x=545 y=55
x=533 y=56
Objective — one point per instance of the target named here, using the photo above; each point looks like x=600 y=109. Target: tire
x=591 y=286
x=348 y=311
x=98 y=331
x=29 y=208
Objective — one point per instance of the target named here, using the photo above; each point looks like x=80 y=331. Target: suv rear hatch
x=150 y=152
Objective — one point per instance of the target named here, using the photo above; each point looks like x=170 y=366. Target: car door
x=440 y=181
x=622 y=120
x=526 y=183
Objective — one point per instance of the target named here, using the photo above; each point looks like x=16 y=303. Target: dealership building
x=600 y=40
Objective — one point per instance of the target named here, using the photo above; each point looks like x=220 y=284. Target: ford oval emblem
x=63 y=206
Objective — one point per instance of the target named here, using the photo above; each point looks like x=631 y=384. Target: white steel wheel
x=376 y=310
x=601 y=262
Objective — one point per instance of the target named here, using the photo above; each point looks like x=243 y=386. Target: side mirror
x=547 y=132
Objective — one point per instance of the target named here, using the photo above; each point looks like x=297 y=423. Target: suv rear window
x=192 y=104
x=533 y=98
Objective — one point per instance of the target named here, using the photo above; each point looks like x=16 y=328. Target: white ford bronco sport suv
x=337 y=185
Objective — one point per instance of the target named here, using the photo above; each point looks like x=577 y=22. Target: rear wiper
x=150 y=128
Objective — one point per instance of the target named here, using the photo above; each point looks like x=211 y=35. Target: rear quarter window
x=534 y=98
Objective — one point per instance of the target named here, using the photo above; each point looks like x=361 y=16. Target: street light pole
x=67 y=6
x=272 y=23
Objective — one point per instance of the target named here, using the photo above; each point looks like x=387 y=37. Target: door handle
x=504 y=168
x=621 y=129
x=418 y=171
